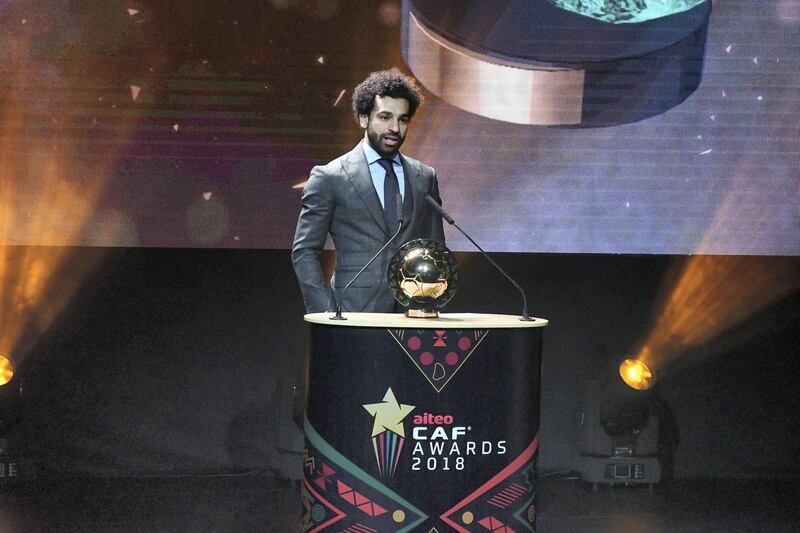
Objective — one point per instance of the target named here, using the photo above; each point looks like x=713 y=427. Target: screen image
x=552 y=127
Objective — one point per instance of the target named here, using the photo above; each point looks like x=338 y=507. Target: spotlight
x=636 y=374
x=6 y=370
x=10 y=404
x=619 y=428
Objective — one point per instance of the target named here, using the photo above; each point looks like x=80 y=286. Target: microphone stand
x=525 y=317
x=399 y=204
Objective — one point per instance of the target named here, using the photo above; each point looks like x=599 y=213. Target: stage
x=255 y=502
x=153 y=350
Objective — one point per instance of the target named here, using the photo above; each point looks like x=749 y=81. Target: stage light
x=707 y=299
x=50 y=192
x=10 y=412
x=636 y=374
x=620 y=426
x=6 y=370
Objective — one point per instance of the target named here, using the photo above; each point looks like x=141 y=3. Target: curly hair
x=392 y=83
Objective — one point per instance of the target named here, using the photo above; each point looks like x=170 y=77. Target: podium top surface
x=444 y=321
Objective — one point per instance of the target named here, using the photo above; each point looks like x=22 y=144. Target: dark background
x=184 y=361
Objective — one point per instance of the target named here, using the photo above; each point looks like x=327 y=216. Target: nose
x=394 y=125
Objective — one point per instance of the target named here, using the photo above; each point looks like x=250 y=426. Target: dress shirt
x=378 y=173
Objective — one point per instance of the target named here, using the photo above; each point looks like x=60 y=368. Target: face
x=385 y=127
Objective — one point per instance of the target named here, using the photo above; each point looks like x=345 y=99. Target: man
x=354 y=199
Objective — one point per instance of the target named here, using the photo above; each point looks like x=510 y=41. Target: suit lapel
x=414 y=193
x=357 y=170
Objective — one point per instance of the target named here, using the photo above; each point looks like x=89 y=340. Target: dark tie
x=391 y=189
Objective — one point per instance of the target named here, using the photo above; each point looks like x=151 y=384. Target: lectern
x=426 y=425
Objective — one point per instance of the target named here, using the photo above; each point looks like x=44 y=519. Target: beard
x=376 y=142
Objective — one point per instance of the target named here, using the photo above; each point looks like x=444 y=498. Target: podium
x=424 y=425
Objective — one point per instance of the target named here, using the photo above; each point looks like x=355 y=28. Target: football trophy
x=423 y=277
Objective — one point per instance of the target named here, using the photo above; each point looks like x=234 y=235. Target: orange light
x=636 y=374
x=6 y=370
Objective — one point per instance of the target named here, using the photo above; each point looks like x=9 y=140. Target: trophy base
x=422 y=313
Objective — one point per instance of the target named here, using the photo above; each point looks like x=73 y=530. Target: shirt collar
x=373 y=156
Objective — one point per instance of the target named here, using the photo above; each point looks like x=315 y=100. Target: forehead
x=387 y=104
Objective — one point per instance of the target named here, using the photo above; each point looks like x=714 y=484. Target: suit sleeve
x=309 y=239
x=437 y=226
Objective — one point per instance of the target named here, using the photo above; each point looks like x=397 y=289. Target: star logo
x=388 y=432
x=389 y=414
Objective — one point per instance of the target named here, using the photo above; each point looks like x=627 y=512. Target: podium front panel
x=422 y=426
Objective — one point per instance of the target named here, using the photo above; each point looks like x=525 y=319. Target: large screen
x=554 y=126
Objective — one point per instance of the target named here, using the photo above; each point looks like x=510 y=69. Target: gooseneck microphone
x=452 y=222
x=399 y=204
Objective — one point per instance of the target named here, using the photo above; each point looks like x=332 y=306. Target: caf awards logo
x=388 y=431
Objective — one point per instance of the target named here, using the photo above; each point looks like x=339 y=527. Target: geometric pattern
x=361 y=502
x=504 y=504
x=359 y=528
x=508 y=496
x=340 y=497
x=338 y=493
x=438 y=354
x=318 y=513
x=332 y=500
x=493 y=524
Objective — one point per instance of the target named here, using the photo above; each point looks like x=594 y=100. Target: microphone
x=452 y=222
x=399 y=205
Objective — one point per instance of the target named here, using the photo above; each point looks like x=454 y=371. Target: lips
x=391 y=140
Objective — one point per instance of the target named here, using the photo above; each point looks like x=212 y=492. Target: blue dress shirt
x=378 y=173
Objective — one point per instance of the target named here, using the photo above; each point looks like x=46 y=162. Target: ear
x=363 y=120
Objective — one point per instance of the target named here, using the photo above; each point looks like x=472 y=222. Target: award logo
x=388 y=431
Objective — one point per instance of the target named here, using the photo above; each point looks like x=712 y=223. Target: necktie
x=391 y=189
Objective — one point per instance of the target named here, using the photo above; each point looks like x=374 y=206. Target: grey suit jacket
x=340 y=199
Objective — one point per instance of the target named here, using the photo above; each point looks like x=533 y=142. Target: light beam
x=51 y=179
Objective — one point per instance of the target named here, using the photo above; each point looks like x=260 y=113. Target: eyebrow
x=390 y=113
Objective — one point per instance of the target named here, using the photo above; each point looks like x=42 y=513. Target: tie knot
x=386 y=164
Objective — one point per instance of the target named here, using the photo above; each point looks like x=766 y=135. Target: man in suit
x=354 y=199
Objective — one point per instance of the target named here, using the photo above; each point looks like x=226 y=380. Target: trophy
x=423 y=277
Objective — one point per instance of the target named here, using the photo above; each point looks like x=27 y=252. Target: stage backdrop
x=174 y=124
